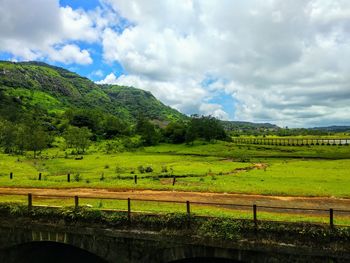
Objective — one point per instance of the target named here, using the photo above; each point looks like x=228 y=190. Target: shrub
x=102 y=177
x=149 y=169
x=164 y=169
x=118 y=169
x=141 y=169
x=77 y=177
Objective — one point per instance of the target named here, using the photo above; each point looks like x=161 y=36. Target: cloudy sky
x=284 y=62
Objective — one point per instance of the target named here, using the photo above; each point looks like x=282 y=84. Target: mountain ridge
x=28 y=81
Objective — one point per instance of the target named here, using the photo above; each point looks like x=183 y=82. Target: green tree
x=7 y=136
x=112 y=127
x=78 y=138
x=150 y=135
x=204 y=127
x=36 y=139
x=21 y=138
x=175 y=132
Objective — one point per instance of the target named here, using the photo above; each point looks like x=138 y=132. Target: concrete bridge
x=28 y=240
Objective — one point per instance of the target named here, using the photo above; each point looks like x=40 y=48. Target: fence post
x=11 y=176
x=188 y=210
x=174 y=180
x=129 y=210
x=76 y=201
x=68 y=178
x=255 y=216
x=30 y=202
x=331 y=222
x=135 y=179
x=39 y=176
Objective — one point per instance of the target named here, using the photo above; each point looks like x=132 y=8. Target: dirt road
x=222 y=198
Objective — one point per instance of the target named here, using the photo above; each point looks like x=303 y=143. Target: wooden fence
x=187 y=205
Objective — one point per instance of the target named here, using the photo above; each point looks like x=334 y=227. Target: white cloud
x=78 y=25
x=71 y=54
x=97 y=73
x=213 y=110
x=281 y=61
x=186 y=100
x=109 y=79
x=39 y=29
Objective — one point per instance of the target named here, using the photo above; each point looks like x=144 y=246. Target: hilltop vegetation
x=34 y=85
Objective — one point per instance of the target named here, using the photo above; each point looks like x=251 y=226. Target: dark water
x=48 y=252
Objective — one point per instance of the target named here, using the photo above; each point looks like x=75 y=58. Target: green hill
x=39 y=87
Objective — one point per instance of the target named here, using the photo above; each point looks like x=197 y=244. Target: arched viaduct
x=36 y=241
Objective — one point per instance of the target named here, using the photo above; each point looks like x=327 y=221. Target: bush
x=77 y=177
x=164 y=169
x=149 y=169
x=141 y=169
x=118 y=169
x=102 y=177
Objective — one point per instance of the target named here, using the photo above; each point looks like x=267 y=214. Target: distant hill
x=28 y=85
x=332 y=128
x=242 y=125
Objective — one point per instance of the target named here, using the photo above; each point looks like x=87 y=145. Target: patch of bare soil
x=261 y=166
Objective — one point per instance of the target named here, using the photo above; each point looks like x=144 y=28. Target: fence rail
x=292 y=141
x=187 y=206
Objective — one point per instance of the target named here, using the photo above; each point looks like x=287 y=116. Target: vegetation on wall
x=224 y=229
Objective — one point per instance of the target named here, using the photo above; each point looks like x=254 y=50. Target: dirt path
x=222 y=198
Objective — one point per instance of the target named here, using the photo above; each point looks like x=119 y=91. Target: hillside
x=332 y=128
x=243 y=125
x=36 y=86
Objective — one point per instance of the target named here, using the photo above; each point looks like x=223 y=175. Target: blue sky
x=85 y=4
x=263 y=61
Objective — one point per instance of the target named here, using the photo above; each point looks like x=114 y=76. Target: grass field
x=219 y=167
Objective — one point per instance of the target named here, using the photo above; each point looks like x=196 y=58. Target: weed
x=141 y=169
x=102 y=177
x=164 y=169
x=149 y=169
x=77 y=177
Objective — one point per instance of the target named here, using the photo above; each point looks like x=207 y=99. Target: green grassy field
x=219 y=167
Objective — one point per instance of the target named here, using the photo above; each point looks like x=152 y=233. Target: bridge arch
x=47 y=251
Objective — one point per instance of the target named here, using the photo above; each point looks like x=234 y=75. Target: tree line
x=79 y=127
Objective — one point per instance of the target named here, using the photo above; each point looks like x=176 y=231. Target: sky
x=277 y=61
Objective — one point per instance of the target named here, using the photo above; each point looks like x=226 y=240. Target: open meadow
x=218 y=167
